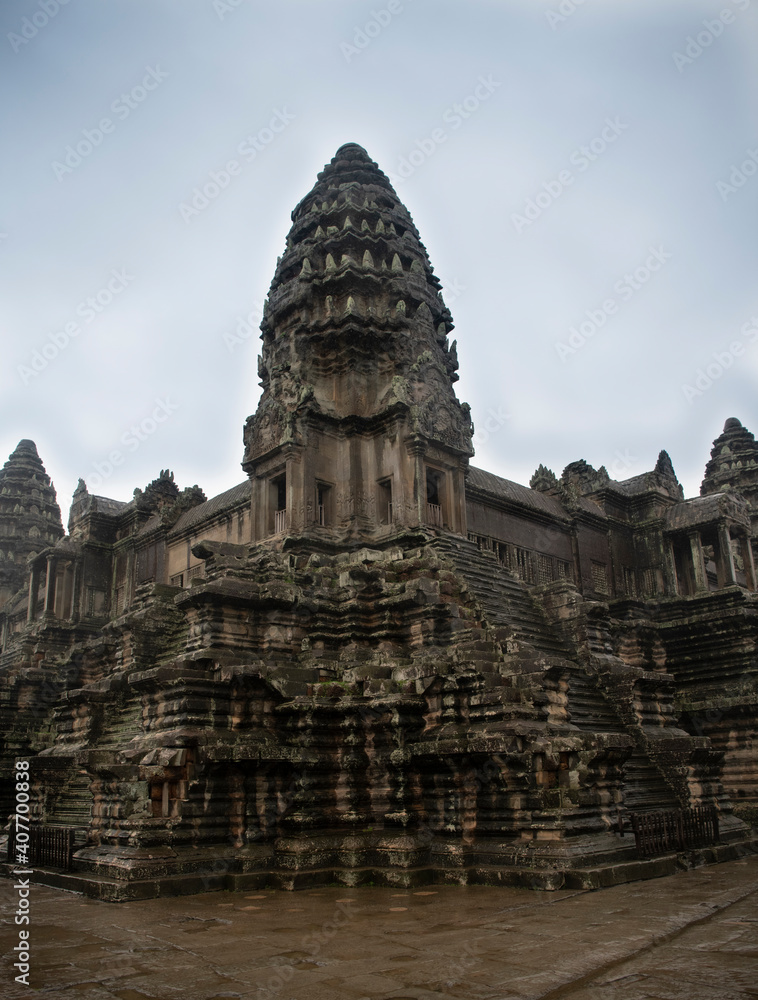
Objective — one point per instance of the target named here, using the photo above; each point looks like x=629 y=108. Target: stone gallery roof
x=661 y=479
x=234 y=497
x=643 y=483
x=506 y=489
x=706 y=510
x=108 y=506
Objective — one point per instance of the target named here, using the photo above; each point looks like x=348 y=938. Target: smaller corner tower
x=30 y=518
x=733 y=467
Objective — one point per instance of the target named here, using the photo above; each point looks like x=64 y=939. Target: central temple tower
x=358 y=433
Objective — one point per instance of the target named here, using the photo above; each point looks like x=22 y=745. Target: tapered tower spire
x=358 y=428
x=30 y=518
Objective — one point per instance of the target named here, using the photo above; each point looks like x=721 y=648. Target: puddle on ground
x=198 y=924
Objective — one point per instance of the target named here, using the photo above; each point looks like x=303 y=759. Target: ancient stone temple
x=371 y=661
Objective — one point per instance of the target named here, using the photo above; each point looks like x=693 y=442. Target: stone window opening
x=434 y=497
x=96 y=602
x=599 y=572
x=278 y=493
x=545 y=571
x=385 y=510
x=524 y=565
x=64 y=591
x=147 y=564
x=711 y=567
x=685 y=577
x=323 y=504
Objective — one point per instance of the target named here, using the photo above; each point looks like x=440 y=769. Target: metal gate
x=675 y=830
x=48 y=846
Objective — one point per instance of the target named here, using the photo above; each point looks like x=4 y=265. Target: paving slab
x=690 y=935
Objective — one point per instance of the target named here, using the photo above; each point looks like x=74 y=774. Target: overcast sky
x=582 y=167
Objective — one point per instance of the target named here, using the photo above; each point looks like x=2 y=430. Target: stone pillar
x=129 y=578
x=669 y=569
x=296 y=492
x=458 y=505
x=746 y=549
x=52 y=567
x=726 y=573
x=416 y=450
x=698 y=562
x=298 y=489
x=259 y=511
x=76 y=596
x=309 y=475
x=33 y=591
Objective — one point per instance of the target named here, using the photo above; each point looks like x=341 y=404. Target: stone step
x=503 y=598
x=644 y=786
x=588 y=706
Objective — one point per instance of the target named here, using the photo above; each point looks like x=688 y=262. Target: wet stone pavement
x=692 y=935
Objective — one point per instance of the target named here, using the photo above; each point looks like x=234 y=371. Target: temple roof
x=352 y=225
x=354 y=326
x=707 y=510
x=28 y=492
x=505 y=489
x=234 y=497
x=733 y=463
x=30 y=518
x=350 y=165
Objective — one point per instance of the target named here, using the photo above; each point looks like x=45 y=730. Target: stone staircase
x=503 y=598
x=644 y=786
x=73 y=808
x=506 y=602
x=589 y=708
